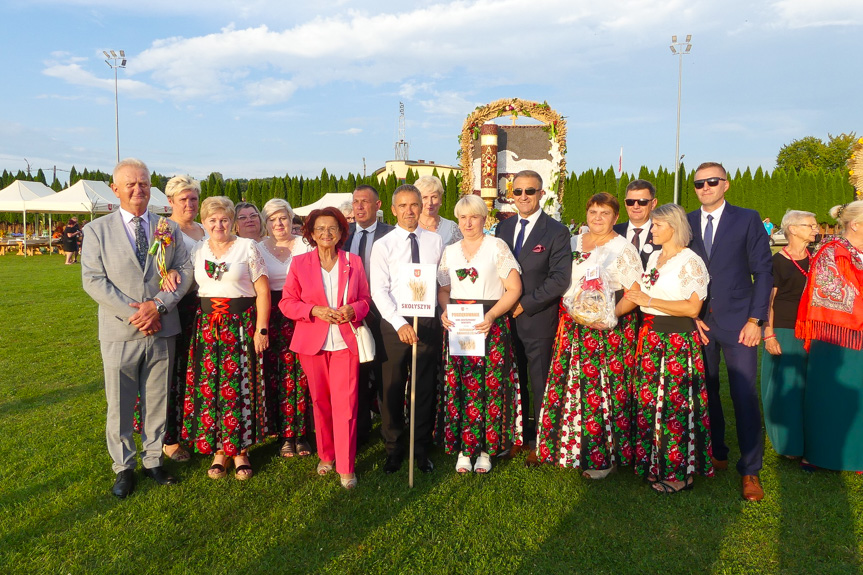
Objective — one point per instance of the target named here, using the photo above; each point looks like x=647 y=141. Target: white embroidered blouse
x=681 y=276
x=277 y=270
x=238 y=269
x=617 y=256
x=490 y=265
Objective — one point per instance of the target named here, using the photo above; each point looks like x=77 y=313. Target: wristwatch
x=262 y=331
x=160 y=307
x=756 y=321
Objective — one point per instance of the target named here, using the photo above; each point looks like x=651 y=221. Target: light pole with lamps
x=112 y=61
x=679 y=49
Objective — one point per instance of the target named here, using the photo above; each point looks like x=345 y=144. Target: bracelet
x=648 y=302
x=766 y=337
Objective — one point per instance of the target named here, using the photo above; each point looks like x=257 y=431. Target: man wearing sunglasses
x=732 y=242
x=541 y=246
x=640 y=201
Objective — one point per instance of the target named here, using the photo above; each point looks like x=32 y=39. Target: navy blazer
x=623 y=228
x=546 y=270
x=381 y=230
x=740 y=266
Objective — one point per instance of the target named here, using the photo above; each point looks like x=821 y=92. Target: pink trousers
x=333 y=386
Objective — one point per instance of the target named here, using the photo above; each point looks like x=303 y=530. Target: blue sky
x=287 y=87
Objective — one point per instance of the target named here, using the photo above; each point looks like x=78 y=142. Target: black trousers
x=533 y=356
x=395 y=379
x=369 y=382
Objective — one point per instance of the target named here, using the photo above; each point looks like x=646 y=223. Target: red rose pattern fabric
x=288 y=401
x=225 y=403
x=480 y=403
x=672 y=424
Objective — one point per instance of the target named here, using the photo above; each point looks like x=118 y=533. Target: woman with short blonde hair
x=431 y=193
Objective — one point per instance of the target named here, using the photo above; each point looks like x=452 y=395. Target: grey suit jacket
x=114 y=279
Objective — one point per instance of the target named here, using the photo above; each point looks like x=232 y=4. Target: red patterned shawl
x=831 y=309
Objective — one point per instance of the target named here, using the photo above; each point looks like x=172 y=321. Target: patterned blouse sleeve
x=504 y=259
x=456 y=233
x=443 y=269
x=628 y=266
x=693 y=277
x=257 y=265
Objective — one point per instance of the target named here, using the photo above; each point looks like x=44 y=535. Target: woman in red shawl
x=830 y=321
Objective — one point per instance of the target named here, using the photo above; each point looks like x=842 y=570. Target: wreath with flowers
x=554 y=126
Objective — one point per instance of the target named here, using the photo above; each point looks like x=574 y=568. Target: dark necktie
x=415 y=248
x=708 y=236
x=140 y=241
x=635 y=241
x=362 y=254
x=519 y=241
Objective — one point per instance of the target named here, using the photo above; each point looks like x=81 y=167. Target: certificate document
x=464 y=339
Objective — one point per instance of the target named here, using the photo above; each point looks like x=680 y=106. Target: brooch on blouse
x=467 y=273
x=580 y=257
x=214 y=270
x=650 y=278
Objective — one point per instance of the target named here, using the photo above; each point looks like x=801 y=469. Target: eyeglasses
x=529 y=191
x=811 y=226
x=331 y=229
x=642 y=202
x=712 y=182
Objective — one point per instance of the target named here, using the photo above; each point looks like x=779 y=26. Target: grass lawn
x=58 y=515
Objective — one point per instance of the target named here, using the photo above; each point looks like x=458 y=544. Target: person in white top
x=407 y=243
x=288 y=402
x=480 y=407
x=431 y=189
x=586 y=411
x=672 y=423
x=225 y=406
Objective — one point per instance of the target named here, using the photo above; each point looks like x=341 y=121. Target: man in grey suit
x=364 y=232
x=138 y=321
x=542 y=247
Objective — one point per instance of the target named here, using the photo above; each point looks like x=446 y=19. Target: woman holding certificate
x=480 y=408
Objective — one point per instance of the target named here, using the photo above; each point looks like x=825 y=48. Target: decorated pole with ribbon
x=488 y=165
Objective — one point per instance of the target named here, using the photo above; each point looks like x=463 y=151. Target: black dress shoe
x=425 y=464
x=124 y=483
x=393 y=463
x=160 y=476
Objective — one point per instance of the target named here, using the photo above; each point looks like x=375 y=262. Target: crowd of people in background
x=602 y=348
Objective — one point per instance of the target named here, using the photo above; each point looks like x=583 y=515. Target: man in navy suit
x=541 y=246
x=640 y=201
x=732 y=242
x=366 y=203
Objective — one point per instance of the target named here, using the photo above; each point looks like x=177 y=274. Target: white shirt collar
x=717 y=213
x=370 y=229
x=531 y=219
x=127 y=217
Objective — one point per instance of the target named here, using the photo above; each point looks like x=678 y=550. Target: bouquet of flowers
x=161 y=240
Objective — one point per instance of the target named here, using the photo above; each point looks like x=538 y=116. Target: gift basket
x=592 y=303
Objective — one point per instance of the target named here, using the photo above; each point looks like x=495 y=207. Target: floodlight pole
x=111 y=59
x=679 y=49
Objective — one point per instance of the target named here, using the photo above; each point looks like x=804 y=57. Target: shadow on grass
x=58 y=395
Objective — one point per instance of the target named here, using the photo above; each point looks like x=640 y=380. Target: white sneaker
x=483 y=463
x=462 y=464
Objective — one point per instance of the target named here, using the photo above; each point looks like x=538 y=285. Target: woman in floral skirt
x=587 y=409
x=480 y=408
x=225 y=406
x=672 y=426
x=289 y=404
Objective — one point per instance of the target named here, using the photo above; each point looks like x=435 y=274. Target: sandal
x=807 y=467
x=219 y=470
x=243 y=470
x=665 y=488
x=483 y=463
x=303 y=447
x=288 y=449
x=598 y=473
x=463 y=464
x=349 y=481
x=179 y=453
x=325 y=467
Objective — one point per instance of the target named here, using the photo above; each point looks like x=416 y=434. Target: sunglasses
x=642 y=202
x=712 y=182
x=529 y=191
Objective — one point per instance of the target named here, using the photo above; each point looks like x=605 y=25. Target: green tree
x=811 y=153
x=40 y=177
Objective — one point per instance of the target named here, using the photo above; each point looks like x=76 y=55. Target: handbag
x=365 y=340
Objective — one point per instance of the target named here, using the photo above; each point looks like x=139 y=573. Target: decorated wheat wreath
x=855 y=168
x=555 y=127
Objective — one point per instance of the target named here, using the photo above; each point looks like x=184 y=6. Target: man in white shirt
x=364 y=232
x=640 y=202
x=407 y=243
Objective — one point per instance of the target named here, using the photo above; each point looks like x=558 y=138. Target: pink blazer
x=304 y=289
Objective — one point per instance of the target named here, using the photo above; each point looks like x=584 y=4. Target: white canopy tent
x=14 y=198
x=331 y=199
x=93 y=197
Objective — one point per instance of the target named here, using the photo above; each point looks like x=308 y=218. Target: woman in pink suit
x=314 y=297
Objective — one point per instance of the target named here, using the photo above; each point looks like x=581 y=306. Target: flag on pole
x=620 y=162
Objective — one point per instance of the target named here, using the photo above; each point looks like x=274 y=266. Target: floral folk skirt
x=288 y=402
x=587 y=410
x=225 y=404
x=672 y=424
x=480 y=401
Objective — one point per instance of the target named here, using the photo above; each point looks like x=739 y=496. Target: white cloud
x=270 y=91
x=73 y=73
x=811 y=13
